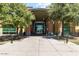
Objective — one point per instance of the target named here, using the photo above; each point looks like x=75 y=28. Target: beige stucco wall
x=72 y=27
x=76 y=28
x=58 y=26
x=0 y=29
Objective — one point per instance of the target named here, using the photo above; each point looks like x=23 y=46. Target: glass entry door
x=39 y=28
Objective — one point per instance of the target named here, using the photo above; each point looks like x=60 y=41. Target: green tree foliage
x=65 y=11
x=16 y=14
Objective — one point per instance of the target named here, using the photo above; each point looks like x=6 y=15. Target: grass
x=76 y=40
x=1 y=43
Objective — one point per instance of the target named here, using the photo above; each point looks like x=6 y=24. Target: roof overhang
x=40 y=13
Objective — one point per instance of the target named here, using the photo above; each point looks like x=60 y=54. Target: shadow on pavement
x=58 y=37
x=11 y=38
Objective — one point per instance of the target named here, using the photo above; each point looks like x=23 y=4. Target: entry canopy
x=40 y=13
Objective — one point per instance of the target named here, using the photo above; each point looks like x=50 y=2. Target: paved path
x=39 y=46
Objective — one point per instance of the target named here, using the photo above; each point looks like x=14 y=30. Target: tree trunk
x=17 y=30
x=62 y=28
x=21 y=31
x=54 y=27
x=25 y=31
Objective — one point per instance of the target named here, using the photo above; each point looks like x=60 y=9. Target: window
x=9 y=29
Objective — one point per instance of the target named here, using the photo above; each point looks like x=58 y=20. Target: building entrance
x=38 y=28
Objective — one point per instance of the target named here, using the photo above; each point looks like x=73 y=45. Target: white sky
x=39 y=1
x=38 y=5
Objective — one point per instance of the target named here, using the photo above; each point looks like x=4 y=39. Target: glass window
x=9 y=29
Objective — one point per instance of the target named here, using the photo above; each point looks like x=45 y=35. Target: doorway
x=38 y=28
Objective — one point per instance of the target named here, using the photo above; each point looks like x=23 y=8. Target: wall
x=76 y=28
x=0 y=29
x=49 y=25
x=72 y=27
x=54 y=26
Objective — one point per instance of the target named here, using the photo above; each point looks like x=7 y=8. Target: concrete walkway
x=39 y=46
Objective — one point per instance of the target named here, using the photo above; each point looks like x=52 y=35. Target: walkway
x=39 y=46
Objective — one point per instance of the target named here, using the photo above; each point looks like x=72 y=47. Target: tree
x=16 y=14
x=65 y=11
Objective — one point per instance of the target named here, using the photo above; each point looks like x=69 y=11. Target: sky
x=39 y=1
x=38 y=5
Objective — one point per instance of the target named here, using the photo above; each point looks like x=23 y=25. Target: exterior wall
x=49 y=26
x=72 y=27
x=76 y=28
x=28 y=30
x=0 y=29
x=57 y=26
x=54 y=26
